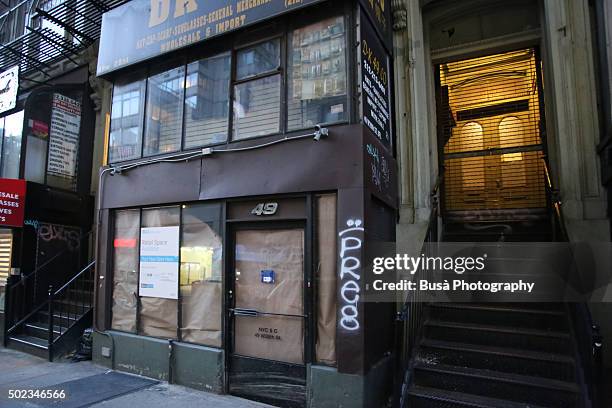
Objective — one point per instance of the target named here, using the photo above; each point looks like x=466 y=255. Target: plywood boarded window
x=125 y=269
x=201 y=274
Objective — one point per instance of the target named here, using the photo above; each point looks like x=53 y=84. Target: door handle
x=245 y=312
x=256 y=313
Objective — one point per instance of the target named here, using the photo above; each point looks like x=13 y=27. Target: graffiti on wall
x=381 y=173
x=70 y=236
x=350 y=273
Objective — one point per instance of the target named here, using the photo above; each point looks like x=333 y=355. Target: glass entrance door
x=266 y=316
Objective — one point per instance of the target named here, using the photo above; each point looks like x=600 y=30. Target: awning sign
x=12 y=202
x=159 y=262
x=9 y=84
x=143 y=29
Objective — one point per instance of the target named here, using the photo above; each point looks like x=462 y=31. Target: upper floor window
x=265 y=90
x=257 y=91
x=11 y=144
x=126 y=121
x=164 y=112
x=317 y=74
x=207 y=101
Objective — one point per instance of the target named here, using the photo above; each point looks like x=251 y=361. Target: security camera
x=320 y=132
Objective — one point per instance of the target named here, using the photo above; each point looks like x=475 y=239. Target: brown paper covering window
x=278 y=338
x=326 y=279
x=125 y=269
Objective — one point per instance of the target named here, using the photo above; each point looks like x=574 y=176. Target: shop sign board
x=9 y=84
x=64 y=136
x=375 y=79
x=159 y=262
x=379 y=13
x=12 y=202
x=144 y=29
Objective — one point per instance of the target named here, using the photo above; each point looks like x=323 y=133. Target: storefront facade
x=250 y=167
x=47 y=144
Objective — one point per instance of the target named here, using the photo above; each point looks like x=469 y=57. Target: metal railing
x=409 y=320
x=29 y=294
x=68 y=304
x=586 y=334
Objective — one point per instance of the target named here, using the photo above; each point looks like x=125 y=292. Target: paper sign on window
x=159 y=262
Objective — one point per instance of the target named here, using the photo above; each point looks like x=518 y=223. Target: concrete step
x=501 y=359
x=28 y=344
x=426 y=397
x=500 y=336
x=493 y=384
x=517 y=316
x=37 y=329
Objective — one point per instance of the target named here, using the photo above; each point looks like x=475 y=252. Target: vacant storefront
x=46 y=144
x=244 y=167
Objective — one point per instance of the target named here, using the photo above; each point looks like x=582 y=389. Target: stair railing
x=69 y=303
x=586 y=332
x=409 y=320
x=21 y=300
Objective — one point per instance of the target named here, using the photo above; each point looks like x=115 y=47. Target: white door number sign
x=265 y=209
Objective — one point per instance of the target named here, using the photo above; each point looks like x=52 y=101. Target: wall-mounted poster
x=375 y=77
x=159 y=262
x=12 y=202
x=9 y=84
x=64 y=136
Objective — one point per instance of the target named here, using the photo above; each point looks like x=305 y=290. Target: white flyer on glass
x=9 y=85
x=159 y=262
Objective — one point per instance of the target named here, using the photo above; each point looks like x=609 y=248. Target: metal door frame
x=229 y=298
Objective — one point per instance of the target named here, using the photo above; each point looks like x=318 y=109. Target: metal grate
x=52 y=30
x=6 y=245
x=490 y=125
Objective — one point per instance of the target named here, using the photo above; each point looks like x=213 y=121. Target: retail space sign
x=12 y=202
x=159 y=262
x=64 y=136
x=143 y=29
x=9 y=84
x=375 y=79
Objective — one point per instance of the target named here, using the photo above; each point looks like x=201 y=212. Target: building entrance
x=490 y=130
x=267 y=319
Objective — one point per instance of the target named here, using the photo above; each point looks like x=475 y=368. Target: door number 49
x=265 y=209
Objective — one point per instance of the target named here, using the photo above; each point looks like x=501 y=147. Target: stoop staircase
x=46 y=311
x=70 y=309
x=495 y=355
x=498 y=355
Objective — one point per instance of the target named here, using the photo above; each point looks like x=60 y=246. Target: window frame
x=110 y=267
x=281 y=71
x=234 y=42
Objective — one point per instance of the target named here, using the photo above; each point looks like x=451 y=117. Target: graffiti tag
x=51 y=232
x=350 y=274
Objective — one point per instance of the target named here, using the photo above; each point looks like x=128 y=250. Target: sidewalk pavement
x=20 y=371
